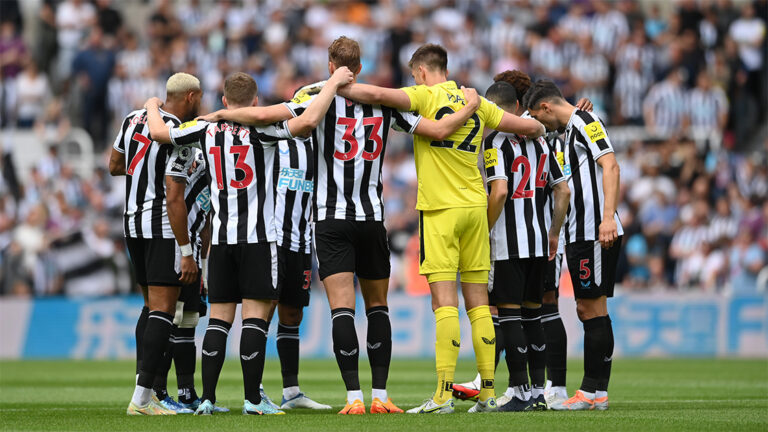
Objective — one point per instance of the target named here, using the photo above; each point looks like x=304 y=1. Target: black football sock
x=253 y=342
x=345 y=346
x=537 y=356
x=214 y=352
x=379 y=342
x=161 y=377
x=607 y=356
x=557 y=344
x=184 y=359
x=288 y=350
x=499 y=339
x=515 y=346
x=156 y=336
x=141 y=326
x=596 y=346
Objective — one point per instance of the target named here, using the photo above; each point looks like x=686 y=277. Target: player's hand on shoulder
x=153 y=102
x=584 y=104
x=471 y=96
x=212 y=117
x=342 y=76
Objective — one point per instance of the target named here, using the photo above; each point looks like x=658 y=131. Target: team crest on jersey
x=491 y=158
x=188 y=124
x=595 y=131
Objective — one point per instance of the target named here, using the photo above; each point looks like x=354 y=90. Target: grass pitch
x=647 y=395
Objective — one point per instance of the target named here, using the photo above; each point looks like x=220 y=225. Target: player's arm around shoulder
x=369 y=94
x=497 y=118
x=251 y=116
x=310 y=118
x=449 y=124
x=158 y=130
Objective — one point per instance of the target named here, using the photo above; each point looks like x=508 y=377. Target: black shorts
x=294 y=276
x=517 y=280
x=592 y=268
x=352 y=246
x=552 y=275
x=242 y=271
x=156 y=262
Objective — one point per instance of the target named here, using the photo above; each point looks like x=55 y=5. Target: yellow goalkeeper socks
x=484 y=342
x=447 y=343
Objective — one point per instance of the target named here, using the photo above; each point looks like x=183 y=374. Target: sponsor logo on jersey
x=491 y=158
x=595 y=131
x=204 y=199
x=293 y=179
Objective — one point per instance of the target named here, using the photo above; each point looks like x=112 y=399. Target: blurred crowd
x=690 y=76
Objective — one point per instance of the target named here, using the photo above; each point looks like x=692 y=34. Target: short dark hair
x=502 y=94
x=345 y=52
x=542 y=91
x=240 y=89
x=432 y=56
x=518 y=79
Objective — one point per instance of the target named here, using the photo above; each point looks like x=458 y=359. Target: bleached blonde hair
x=181 y=82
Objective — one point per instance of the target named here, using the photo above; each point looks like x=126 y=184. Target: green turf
x=648 y=395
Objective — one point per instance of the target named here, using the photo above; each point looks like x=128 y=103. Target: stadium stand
x=682 y=85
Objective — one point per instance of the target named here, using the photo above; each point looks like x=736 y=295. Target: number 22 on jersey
x=522 y=164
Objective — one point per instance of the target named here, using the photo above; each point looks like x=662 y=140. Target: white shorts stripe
x=598 y=267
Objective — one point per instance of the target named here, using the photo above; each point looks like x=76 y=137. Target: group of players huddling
x=234 y=200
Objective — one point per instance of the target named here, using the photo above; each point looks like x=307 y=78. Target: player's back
x=447 y=170
x=531 y=169
x=349 y=146
x=145 y=213
x=240 y=161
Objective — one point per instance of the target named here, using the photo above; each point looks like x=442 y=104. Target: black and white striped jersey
x=349 y=145
x=240 y=161
x=705 y=107
x=557 y=148
x=585 y=142
x=188 y=162
x=145 y=213
x=669 y=106
x=294 y=178
x=629 y=89
x=531 y=170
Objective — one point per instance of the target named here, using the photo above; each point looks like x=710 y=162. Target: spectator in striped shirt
x=707 y=106
x=664 y=108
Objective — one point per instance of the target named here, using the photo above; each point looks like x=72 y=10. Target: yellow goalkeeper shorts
x=454 y=240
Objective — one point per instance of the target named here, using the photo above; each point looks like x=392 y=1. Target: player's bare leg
x=340 y=288
x=379 y=342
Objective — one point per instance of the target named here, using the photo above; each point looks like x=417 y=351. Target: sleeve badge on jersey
x=595 y=131
x=188 y=124
x=560 y=156
x=491 y=158
x=301 y=98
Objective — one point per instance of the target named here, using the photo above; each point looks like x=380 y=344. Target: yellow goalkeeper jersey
x=447 y=170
